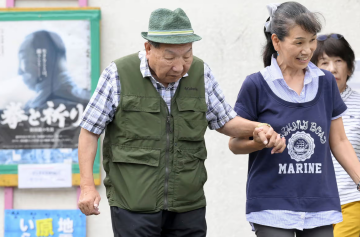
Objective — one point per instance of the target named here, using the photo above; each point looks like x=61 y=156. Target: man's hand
x=89 y=197
x=269 y=138
x=89 y=201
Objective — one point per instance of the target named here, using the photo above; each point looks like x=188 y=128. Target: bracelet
x=358 y=187
x=263 y=124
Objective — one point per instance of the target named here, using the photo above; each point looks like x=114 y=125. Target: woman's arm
x=244 y=145
x=343 y=150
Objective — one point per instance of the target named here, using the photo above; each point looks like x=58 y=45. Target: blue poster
x=41 y=223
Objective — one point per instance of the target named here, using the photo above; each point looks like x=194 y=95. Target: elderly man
x=155 y=106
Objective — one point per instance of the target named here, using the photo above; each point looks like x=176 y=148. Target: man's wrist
x=87 y=184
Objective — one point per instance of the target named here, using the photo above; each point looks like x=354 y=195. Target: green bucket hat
x=170 y=27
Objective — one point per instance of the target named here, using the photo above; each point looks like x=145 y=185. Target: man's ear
x=276 y=42
x=148 y=48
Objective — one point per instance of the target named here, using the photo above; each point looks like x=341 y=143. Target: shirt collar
x=144 y=66
x=311 y=71
x=346 y=93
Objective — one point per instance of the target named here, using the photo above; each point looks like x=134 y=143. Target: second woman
x=295 y=191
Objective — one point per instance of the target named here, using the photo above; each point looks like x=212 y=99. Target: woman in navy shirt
x=294 y=191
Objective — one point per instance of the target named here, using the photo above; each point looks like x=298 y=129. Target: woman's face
x=296 y=50
x=337 y=66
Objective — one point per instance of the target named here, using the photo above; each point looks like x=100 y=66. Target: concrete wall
x=232 y=32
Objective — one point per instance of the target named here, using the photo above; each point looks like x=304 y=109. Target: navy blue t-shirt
x=302 y=178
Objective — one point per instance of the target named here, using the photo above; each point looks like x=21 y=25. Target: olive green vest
x=154 y=160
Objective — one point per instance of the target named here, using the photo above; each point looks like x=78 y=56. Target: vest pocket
x=190 y=176
x=191 y=123
x=191 y=130
x=142 y=117
x=135 y=177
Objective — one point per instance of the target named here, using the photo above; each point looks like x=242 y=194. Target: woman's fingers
x=282 y=146
x=277 y=145
x=260 y=136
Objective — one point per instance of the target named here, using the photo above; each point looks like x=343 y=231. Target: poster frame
x=9 y=173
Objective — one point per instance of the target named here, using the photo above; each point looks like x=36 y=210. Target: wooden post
x=9 y=197
x=83 y=3
x=10 y=3
x=9 y=191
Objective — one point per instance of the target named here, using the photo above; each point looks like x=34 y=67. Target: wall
x=232 y=41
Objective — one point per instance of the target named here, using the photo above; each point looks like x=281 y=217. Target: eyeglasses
x=325 y=37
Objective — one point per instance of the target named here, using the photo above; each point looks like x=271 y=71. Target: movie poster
x=45 y=85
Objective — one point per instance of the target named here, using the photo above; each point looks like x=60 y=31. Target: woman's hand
x=273 y=139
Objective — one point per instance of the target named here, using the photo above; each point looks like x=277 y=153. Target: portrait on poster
x=44 y=89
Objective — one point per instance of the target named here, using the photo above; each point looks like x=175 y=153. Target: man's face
x=28 y=68
x=169 y=62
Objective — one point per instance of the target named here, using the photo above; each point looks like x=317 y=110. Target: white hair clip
x=272 y=7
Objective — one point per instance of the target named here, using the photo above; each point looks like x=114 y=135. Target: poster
x=54 y=223
x=354 y=81
x=52 y=67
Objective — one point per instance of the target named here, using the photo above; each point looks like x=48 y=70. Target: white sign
x=45 y=176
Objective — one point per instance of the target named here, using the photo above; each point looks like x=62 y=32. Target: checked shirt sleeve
x=103 y=103
x=219 y=111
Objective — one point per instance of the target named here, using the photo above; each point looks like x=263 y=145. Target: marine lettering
x=301 y=168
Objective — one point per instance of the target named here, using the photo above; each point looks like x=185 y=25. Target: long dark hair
x=288 y=15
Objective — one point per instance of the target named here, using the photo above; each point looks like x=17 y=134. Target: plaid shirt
x=102 y=106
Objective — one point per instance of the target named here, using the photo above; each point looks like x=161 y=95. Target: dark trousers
x=161 y=224
x=267 y=231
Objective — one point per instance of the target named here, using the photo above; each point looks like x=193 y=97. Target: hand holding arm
x=260 y=134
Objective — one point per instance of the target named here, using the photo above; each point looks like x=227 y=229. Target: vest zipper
x=168 y=130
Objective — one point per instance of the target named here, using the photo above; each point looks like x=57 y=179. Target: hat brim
x=172 y=39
